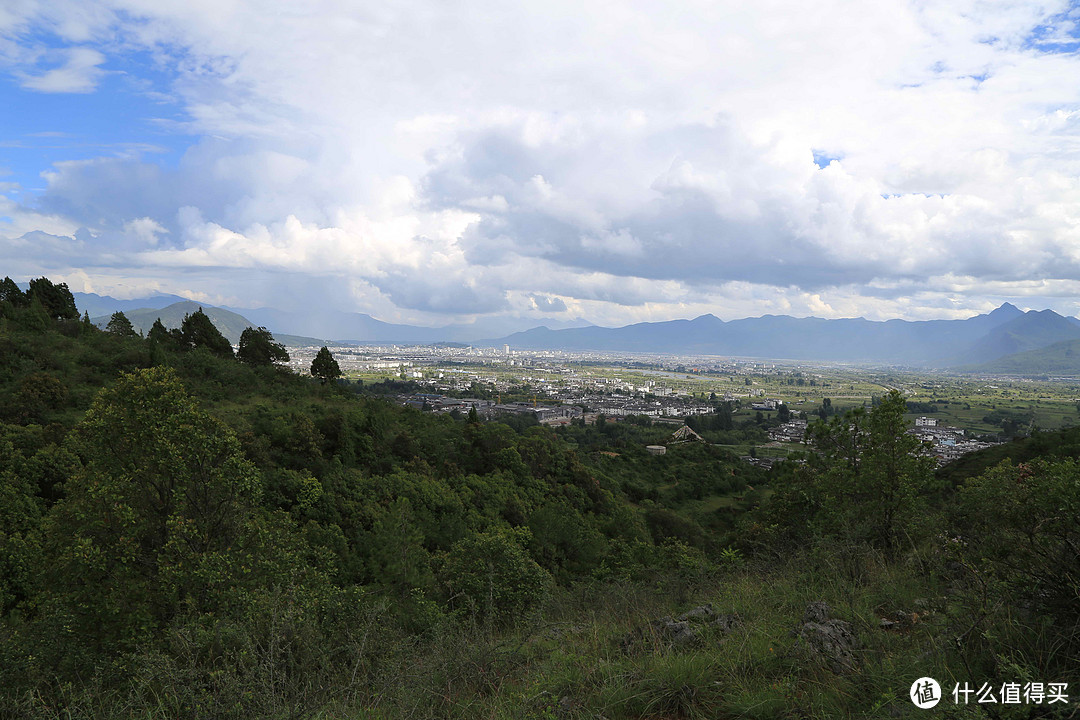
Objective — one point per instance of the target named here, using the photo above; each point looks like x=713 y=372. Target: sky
x=459 y=161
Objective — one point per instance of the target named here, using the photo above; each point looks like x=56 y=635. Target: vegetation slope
x=186 y=535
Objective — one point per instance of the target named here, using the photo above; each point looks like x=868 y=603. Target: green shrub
x=492 y=573
x=1019 y=532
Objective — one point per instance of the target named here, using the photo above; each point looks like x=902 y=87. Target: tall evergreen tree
x=11 y=293
x=257 y=347
x=56 y=299
x=198 y=331
x=120 y=325
x=156 y=510
x=866 y=476
x=325 y=367
x=160 y=337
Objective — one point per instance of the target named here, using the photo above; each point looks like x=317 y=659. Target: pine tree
x=10 y=292
x=160 y=337
x=325 y=367
x=57 y=300
x=257 y=347
x=120 y=325
x=198 y=331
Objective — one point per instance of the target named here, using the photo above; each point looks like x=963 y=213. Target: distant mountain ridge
x=922 y=343
x=359 y=327
x=1005 y=332
x=105 y=305
x=1062 y=358
x=229 y=323
x=1030 y=331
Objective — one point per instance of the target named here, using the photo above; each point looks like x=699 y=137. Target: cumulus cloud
x=144 y=230
x=615 y=163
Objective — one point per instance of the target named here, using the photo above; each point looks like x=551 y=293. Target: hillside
x=182 y=535
x=1030 y=331
x=230 y=324
x=299 y=328
x=1061 y=358
x=98 y=305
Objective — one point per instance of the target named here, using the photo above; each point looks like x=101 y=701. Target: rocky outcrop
x=686 y=629
x=830 y=641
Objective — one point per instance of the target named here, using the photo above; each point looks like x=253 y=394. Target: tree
x=1021 y=531
x=863 y=481
x=57 y=300
x=11 y=293
x=87 y=326
x=146 y=526
x=39 y=393
x=160 y=337
x=121 y=326
x=492 y=572
x=257 y=347
x=868 y=473
x=325 y=367
x=158 y=333
x=198 y=331
x=398 y=557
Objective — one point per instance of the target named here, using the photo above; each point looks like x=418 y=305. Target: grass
x=594 y=651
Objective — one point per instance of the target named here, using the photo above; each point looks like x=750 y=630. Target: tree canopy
x=163 y=494
x=864 y=480
x=120 y=325
x=258 y=347
x=10 y=292
x=324 y=366
x=162 y=337
x=57 y=300
x=199 y=331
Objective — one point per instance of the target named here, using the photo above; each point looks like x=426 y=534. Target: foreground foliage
x=184 y=534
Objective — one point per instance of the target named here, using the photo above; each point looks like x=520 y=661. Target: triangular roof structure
x=685 y=434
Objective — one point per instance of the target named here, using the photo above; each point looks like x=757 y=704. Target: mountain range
x=230 y=324
x=1061 y=358
x=333 y=325
x=924 y=343
x=1007 y=338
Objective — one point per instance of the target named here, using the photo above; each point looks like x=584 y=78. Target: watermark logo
x=925 y=693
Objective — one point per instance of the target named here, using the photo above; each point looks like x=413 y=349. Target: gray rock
x=726 y=623
x=704 y=612
x=816 y=612
x=677 y=631
x=683 y=630
x=829 y=640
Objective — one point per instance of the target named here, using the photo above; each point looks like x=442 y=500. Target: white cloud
x=626 y=162
x=77 y=73
x=144 y=230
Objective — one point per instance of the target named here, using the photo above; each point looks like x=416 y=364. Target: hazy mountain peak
x=1005 y=311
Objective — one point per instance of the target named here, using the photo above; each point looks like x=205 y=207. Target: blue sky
x=431 y=164
x=122 y=117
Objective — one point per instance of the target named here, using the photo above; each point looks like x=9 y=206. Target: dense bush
x=1018 y=533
